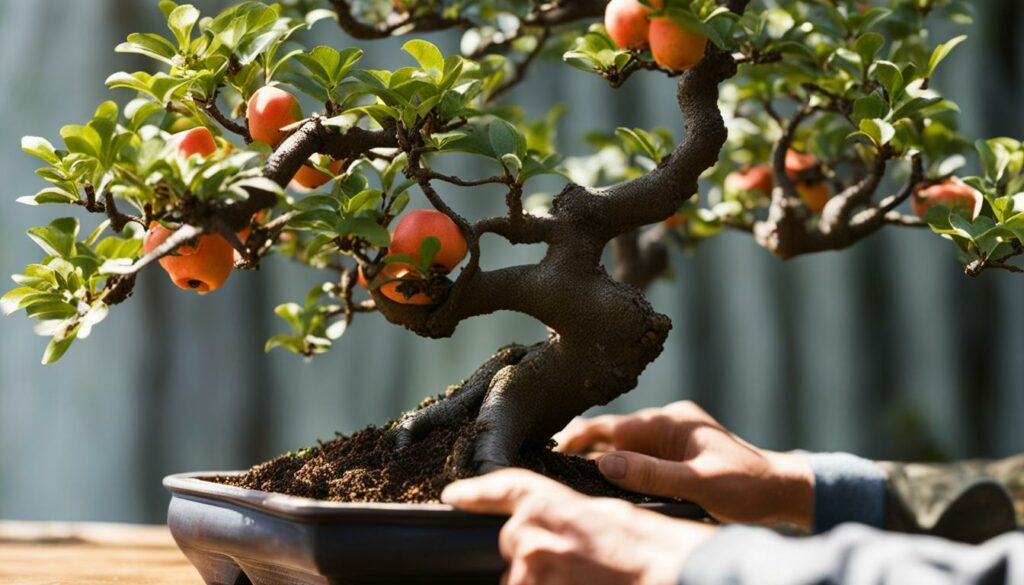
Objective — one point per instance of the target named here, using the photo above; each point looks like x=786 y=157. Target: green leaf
x=40 y=148
x=505 y=138
x=941 y=52
x=12 y=300
x=879 y=131
x=368 y=230
x=870 y=106
x=429 y=248
x=83 y=140
x=181 y=20
x=868 y=45
x=58 y=238
x=328 y=65
x=57 y=347
x=292 y=343
x=891 y=79
x=425 y=53
x=151 y=45
x=994 y=159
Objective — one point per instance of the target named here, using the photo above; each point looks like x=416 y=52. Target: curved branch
x=837 y=212
x=530 y=229
x=309 y=138
x=640 y=257
x=657 y=195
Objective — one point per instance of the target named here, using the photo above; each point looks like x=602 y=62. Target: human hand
x=557 y=535
x=680 y=451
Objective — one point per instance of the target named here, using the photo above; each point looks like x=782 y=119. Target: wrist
x=792 y=489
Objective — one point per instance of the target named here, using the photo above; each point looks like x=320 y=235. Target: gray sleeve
x=847 y=488
x=852 y=555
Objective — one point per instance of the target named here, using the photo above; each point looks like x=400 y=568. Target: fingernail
x=612 y=466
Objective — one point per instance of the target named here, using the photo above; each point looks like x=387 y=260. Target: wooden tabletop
x=34 y=553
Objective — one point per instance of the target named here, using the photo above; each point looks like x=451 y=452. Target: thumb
x=648 y=475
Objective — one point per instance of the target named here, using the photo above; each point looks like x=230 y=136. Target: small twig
x=118 y=220
x=180 y=236
x=497 y=179
x=636 y=63
x=520 y=70
x=209 y=106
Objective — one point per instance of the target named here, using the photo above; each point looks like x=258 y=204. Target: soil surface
x=366 y=467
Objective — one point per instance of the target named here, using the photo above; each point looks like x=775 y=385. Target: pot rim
x=196 y=484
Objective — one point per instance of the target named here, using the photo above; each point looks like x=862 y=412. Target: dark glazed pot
x=236 y=536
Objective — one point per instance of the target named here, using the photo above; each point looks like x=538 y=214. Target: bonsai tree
x=810 y=124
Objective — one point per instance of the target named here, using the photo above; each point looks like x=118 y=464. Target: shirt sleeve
x=847 y=488
x=852 y=555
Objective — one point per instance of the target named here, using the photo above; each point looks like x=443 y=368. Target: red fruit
x=797 y=162
x=390 y=290
x=952 y=193
x=815 y=195
x=420 y=224
x=674 y=46
x=198 y=140
x=626 y=23
x=269 y=110
x=202 y=268
x=309 y=177
x=758 y=178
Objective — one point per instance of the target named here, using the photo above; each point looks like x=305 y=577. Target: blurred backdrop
x=886 y=350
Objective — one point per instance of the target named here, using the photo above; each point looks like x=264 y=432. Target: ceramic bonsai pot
x=236 y=536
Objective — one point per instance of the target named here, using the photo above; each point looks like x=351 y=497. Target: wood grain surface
x=33 y=553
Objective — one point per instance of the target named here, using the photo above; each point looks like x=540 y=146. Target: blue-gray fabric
x=847 y=488
x=852 y=554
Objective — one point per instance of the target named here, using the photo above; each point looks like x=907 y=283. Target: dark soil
x=366 y=467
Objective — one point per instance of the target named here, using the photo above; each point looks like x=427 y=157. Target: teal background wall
x=886 y=349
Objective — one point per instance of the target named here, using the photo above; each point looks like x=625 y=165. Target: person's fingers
x=688 y=411
x=658 y=435
x=499 y=492
x=644 y=474
x=518 y=573
x=537 y=554
x=583 y=433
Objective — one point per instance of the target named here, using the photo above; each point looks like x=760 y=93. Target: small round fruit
x=309 y=177
x=270 y=109
x=952 y=193
x=799 y=162
x=418 y=225
x=673 y=46
x=198 y=140
x=182 y=123
x=391 y=289
x=815 y=195
x=627 y=24
x=757 y=179
x=203 y=268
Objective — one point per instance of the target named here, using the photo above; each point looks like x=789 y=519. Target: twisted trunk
x=605 y=332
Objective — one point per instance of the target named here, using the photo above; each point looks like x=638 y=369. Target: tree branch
x=519 y=72
x=210 y=107
x=657 y=195
x=640 y=257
